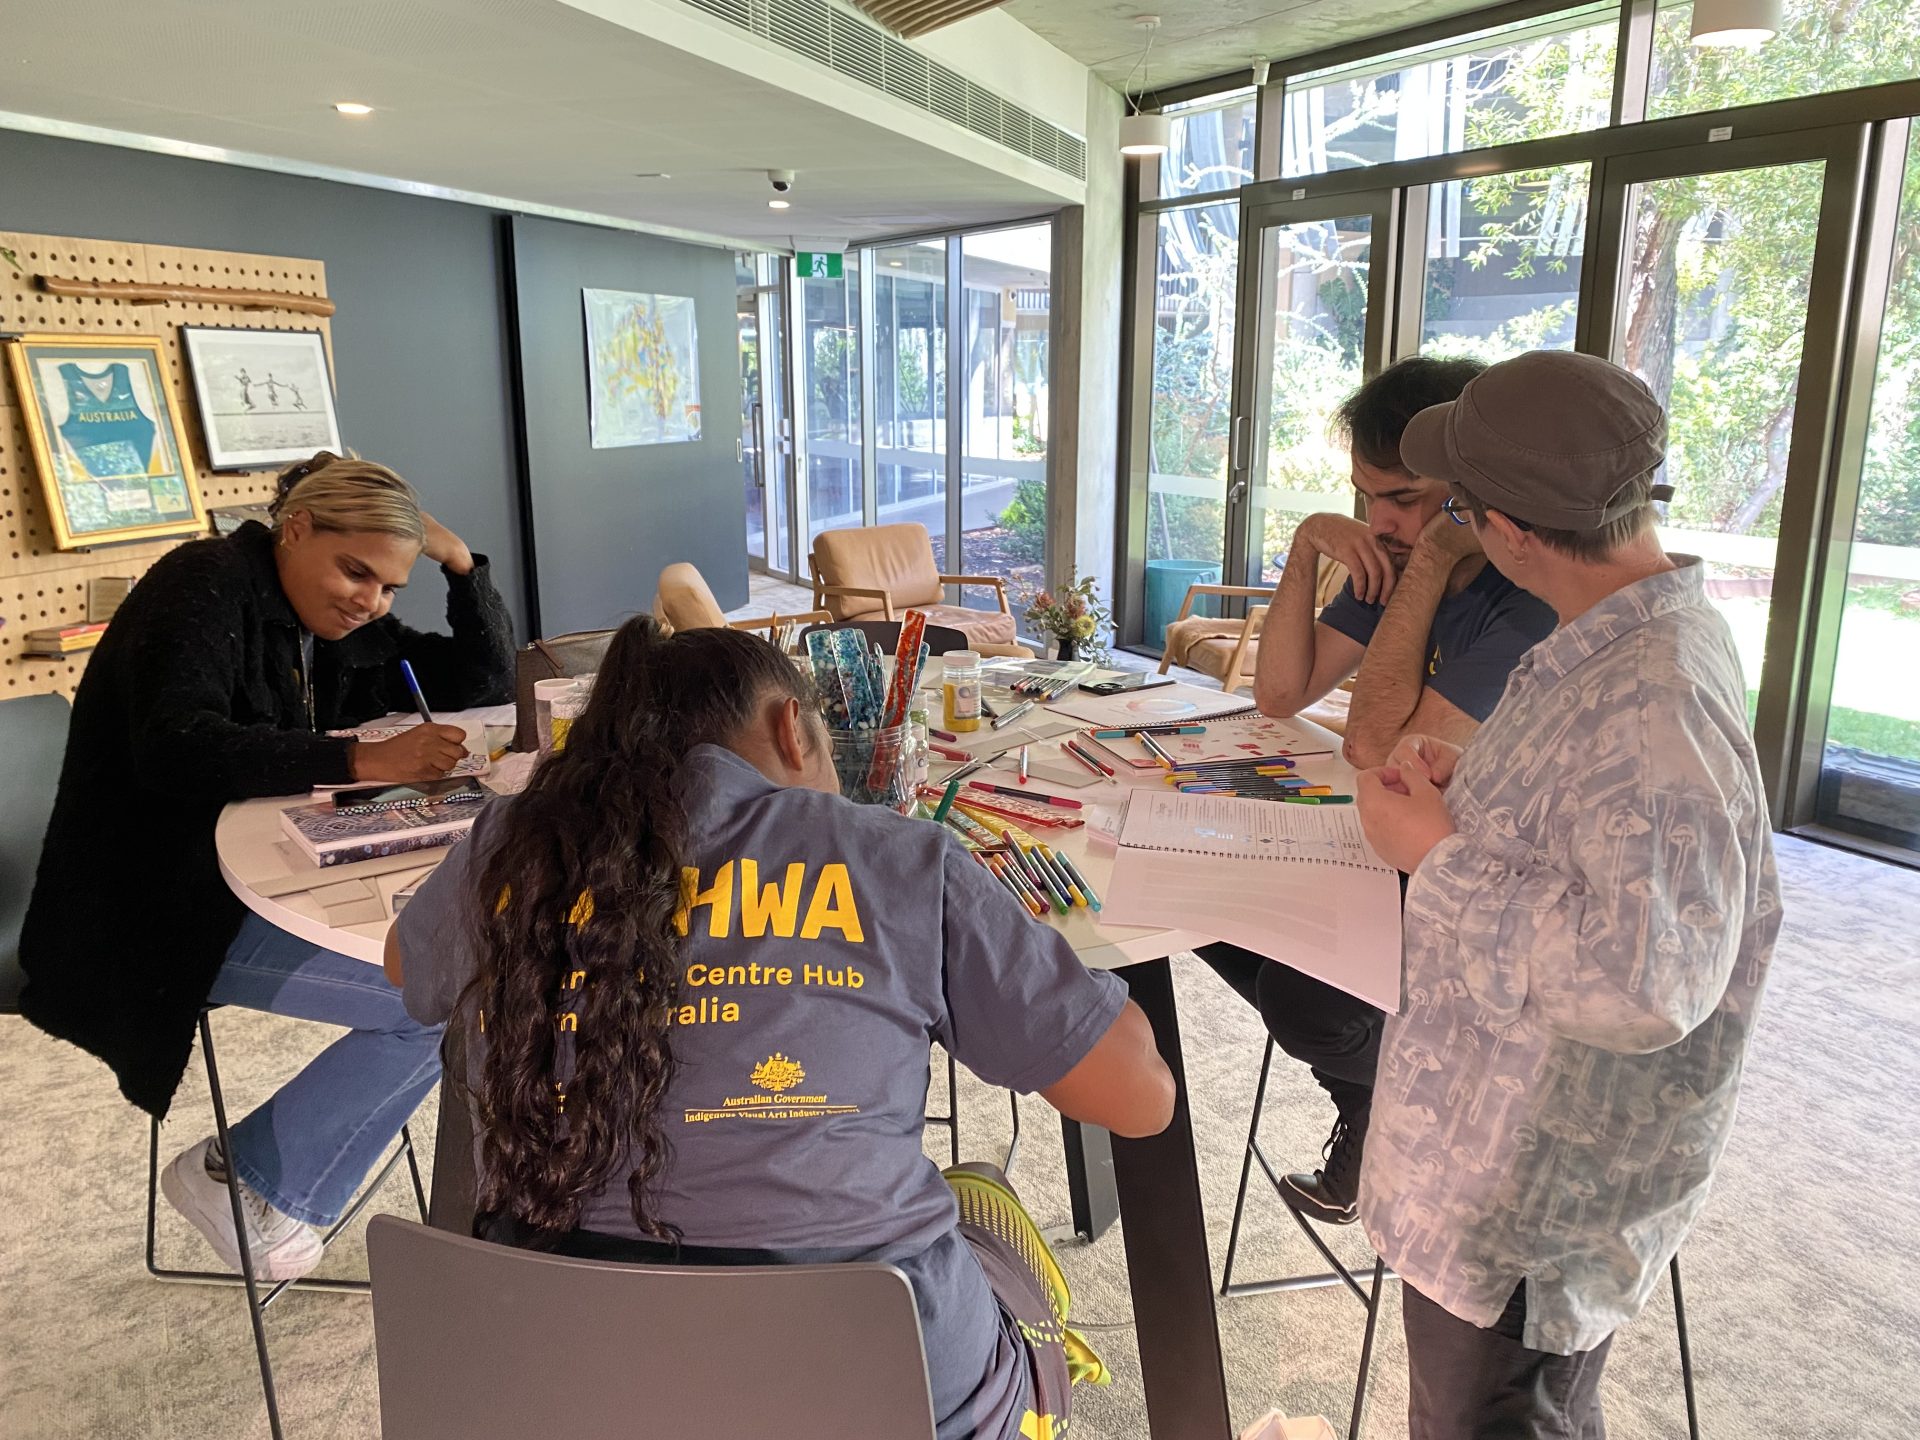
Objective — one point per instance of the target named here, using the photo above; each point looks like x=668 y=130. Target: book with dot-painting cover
x=327 y=837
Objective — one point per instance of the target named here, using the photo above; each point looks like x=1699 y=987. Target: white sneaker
x=282 y=1248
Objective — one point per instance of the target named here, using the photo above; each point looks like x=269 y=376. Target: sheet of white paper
x=1337 y=925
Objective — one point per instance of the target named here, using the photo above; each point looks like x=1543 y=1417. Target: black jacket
x=193 y=699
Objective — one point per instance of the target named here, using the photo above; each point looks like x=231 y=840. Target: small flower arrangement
x=1074 y=617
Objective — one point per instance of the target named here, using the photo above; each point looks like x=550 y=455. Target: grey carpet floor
x=1803 y=1283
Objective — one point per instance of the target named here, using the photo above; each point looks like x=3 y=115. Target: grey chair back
x=33 y=742
x=484 y=1342
x=939 y=639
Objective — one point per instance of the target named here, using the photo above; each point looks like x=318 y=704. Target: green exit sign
x=819 y=264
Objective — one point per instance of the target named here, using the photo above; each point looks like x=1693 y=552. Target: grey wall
x=605 y=522
x=419 y=342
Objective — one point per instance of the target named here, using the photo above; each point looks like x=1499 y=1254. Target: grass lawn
x=1876 y=682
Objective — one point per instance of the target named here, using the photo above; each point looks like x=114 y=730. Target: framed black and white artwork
x=265 y=397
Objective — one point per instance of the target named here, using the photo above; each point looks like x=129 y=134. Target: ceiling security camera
x=781 y=180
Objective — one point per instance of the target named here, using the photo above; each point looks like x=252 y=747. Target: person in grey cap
x=1591 y=912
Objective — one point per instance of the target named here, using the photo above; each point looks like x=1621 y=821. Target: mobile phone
x=1124 y=683
x=367 y=798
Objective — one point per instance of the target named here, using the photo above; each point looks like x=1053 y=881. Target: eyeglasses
x=1455 y=509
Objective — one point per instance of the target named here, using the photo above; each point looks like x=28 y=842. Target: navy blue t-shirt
x=1478 y=636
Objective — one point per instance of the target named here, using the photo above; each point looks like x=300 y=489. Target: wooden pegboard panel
x=40 y=585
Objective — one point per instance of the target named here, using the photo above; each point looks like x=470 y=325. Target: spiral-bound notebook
x=1296 y=883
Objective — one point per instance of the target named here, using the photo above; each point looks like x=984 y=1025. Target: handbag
x=560 y=658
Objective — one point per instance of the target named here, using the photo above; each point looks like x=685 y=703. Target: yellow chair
x=881 y=571
x=1228 y=650
x=684 y=601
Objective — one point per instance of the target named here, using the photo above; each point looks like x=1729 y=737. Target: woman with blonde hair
x=219 y=679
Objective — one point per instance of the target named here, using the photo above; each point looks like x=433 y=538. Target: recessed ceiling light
x=898 y=264
x=352 y=107
x=779 y=204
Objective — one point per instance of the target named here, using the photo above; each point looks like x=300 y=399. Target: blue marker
x=413 y=684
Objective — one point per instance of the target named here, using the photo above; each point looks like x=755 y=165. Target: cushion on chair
x=1183 y=635
x=894 y=558
x=981 y=627
x=1211 y=656
x=684 y=600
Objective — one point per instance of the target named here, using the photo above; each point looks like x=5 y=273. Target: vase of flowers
x=1073 y=617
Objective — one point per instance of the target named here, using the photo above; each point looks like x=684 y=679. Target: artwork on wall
x=107 y=437
x=265 y=397
x=643 y=369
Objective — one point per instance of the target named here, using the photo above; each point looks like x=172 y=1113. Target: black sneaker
x=1331 y=1194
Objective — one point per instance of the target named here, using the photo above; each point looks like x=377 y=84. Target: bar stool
x=1369 y=1297
x=258 y=1301
x=952 y=1119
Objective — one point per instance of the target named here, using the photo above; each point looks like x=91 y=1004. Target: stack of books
x=56 y=640
x=326 y=836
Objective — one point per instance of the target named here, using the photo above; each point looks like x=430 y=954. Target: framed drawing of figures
x=107 y=438
x=265 y=397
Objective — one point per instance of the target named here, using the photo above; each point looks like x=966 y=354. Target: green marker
x=946 y=801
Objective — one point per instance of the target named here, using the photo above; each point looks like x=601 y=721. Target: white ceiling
x=532 y=101
x=1199 y=38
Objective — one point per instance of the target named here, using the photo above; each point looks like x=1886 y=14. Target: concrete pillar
x=1085 y=383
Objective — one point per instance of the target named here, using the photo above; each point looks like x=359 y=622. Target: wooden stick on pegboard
x=136 y=292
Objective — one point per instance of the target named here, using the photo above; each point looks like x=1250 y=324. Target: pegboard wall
x=40 y=585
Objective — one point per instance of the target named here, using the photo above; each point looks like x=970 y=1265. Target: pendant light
x=1727 y=23
x=1143 y=134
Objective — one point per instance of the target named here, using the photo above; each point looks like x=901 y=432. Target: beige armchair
x=882 y=571
x=684 y=601
x=1228 y=650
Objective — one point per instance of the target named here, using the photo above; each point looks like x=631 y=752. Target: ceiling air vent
x=830 y=36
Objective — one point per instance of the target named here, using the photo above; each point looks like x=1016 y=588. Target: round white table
x=1154 y=1183
x=345 y=908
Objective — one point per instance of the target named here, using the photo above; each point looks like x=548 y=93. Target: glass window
x=830 y=358
x=1715 y=316
x=1318 y=273
x=910 y=387
x=1548 y=76
x=1003 y=498
x=1196 y=261
x=1822 y=46
x=1211 y=147
x=1870 y=773
x=1503 y=263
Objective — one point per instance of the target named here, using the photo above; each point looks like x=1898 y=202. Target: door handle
x=1236 y=492
x=1237 y=451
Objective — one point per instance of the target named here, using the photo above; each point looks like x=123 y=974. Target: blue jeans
x=308 y=1148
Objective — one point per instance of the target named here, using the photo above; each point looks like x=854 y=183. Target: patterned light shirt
x=1583 y=964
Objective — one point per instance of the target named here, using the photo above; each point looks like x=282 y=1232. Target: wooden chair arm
x=821 y=592
x=757 y=622
x=1245 y=592
x=998 y=583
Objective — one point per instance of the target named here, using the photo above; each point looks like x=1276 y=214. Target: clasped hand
x=1403 y=806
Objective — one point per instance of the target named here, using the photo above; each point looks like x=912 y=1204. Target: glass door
x=1723 y=252
x=1869 y=755
x=766 y=427
x=752 y=462
x=1318 y=273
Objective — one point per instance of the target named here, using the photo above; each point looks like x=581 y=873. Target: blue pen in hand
x=413 y=684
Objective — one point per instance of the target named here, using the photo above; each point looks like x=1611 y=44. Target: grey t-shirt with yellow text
x=828 y=944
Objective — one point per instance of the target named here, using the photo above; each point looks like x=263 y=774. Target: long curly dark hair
x=579 y=968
